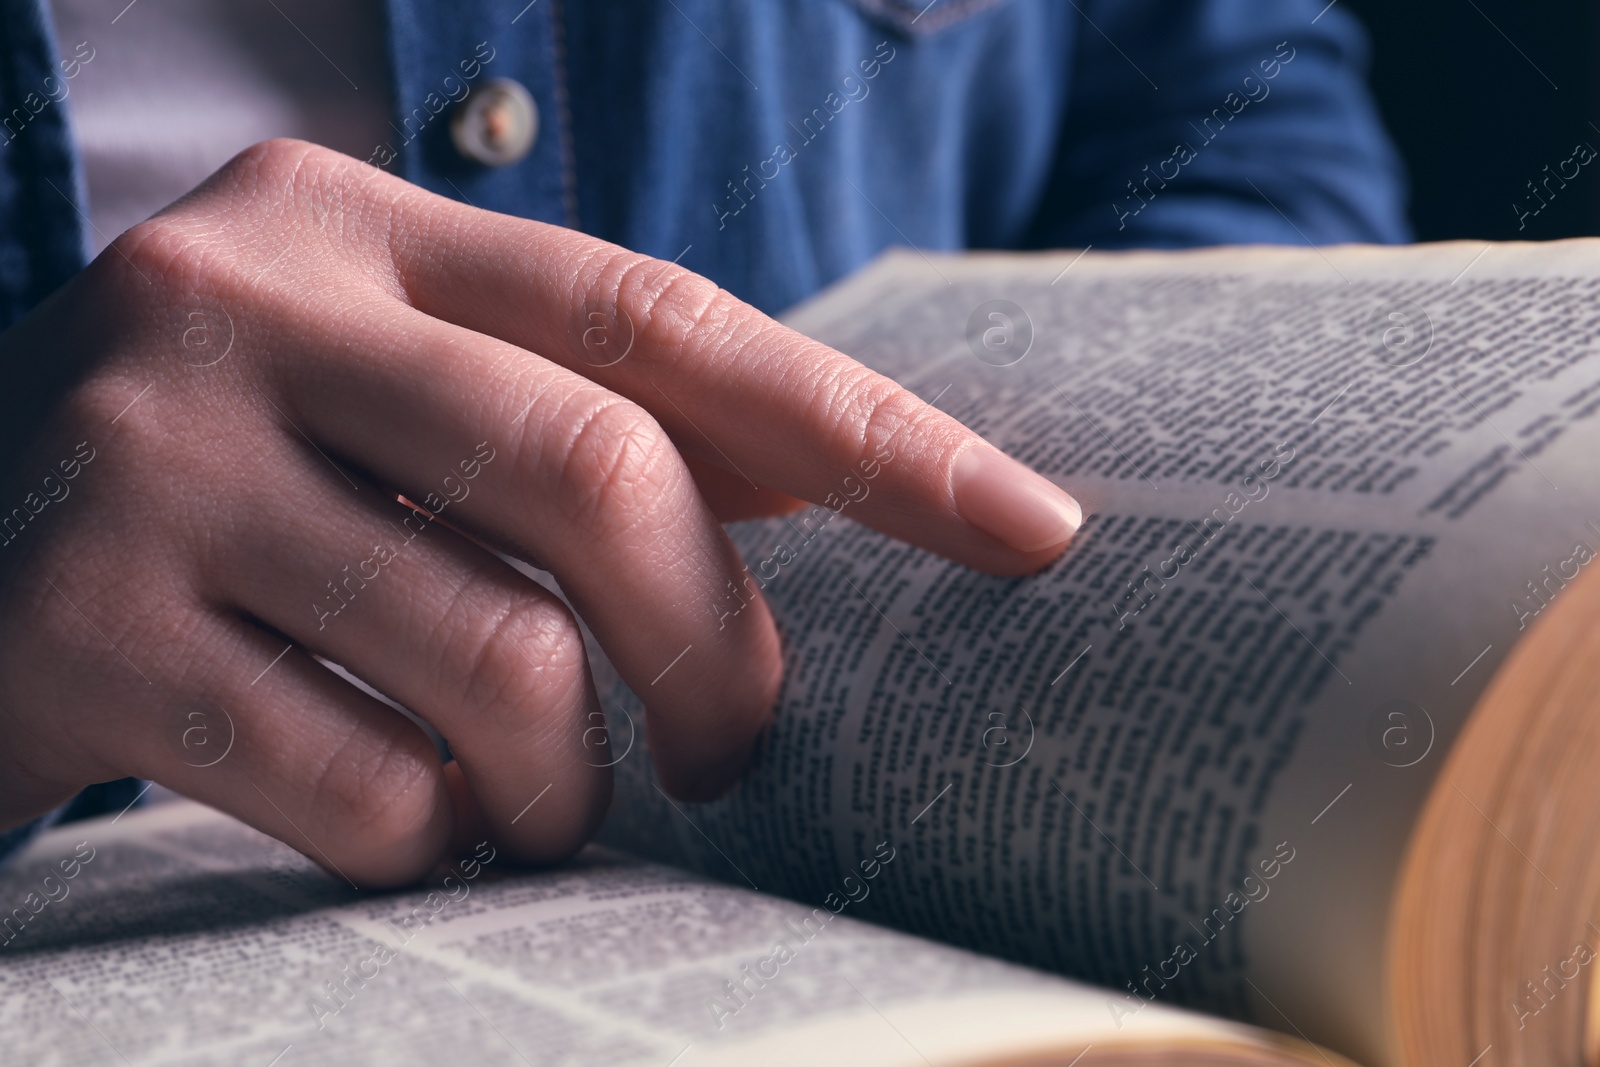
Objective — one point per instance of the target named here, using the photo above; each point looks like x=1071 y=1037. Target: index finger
x=735 y=388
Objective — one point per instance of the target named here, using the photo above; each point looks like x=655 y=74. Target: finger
x=270 y=736
x=558 y=469
x=735 y=388
x=732 y=499
x=490 y=659
x=471 y=825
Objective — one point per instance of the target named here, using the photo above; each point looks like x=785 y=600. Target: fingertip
x=713 y=779
x=553 y=841
x=706 y=764
x=405 y=848
x=386 y=807
x=557 y=825
x=1021 y=509
x=1005 y=562
x=470 y=825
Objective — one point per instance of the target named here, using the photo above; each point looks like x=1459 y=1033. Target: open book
x=179 y=936
x=1295 y=744
x=1305 y=727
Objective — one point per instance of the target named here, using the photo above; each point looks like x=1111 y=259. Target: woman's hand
x=258 y=371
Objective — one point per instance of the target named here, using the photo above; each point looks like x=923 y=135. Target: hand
x=244 y=385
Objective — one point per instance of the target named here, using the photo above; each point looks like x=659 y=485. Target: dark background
x=1480 y=99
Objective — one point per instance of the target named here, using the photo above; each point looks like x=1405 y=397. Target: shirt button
x=496 y=124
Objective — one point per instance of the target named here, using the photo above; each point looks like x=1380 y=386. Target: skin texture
x=263 y=368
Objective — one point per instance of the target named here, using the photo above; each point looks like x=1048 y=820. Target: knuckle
x=515 y=661
x=98 y=400
x=159 y=250
x=671 y=308
x=281 y=162
x=290 y=187
x=546 y=631
x=317 y=184
x=618 y=466
x=137 y=481
x=380 y=796
x=866 y=410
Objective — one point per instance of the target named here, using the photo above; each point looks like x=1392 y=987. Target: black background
x=1476 y=119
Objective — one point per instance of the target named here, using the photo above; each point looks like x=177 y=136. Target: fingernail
x=1008 y=501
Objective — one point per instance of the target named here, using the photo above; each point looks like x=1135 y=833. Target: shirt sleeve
x=1194 y=122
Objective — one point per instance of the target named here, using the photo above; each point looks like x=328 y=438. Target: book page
x=1328 y=490
x=178 y=936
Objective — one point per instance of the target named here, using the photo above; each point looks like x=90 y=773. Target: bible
x=1287 y=760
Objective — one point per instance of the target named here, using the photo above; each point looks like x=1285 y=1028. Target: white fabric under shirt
x=177 y=87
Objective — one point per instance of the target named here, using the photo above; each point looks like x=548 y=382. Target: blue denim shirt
x=776 y=145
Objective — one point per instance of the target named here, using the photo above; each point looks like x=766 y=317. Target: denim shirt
x=776 y=145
